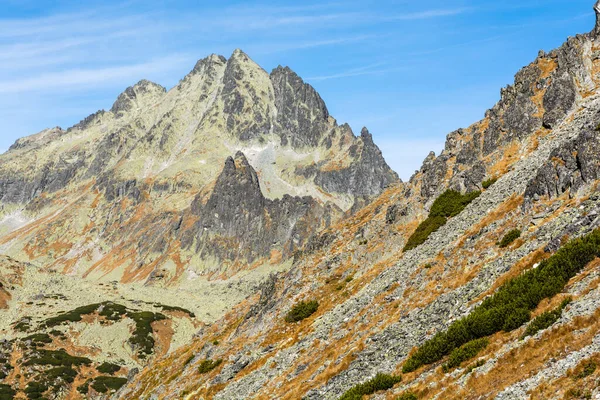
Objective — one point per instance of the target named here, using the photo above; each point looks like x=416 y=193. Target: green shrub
x=476 y=365
x=142 y=336
x=488 y=182
x=38 y=339
x=56 y=358
x=190 y=359
x=23 y=325
x=108 y=368
x=588 y=368
x=7 y=392
x=35 y=390
x=112 y=311
x=509 y=307
x=71 y=316
x=407 y=396
x=104 y=384
x=175 y=309
x=83 y=389
x=465 y=352
x=447 y=205
x=545 y=320
x=66 y=374
x=208 y=365
x=451 y=203
x=426 y=228
x=302 y=310
x=379 y=382
x=510 y=237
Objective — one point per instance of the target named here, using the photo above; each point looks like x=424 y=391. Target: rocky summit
x=227 y=239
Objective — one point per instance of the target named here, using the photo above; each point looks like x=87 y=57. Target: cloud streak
x=85 y=78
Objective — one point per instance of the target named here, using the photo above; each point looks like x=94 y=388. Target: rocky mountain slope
x=477 y=279
x=123 y=235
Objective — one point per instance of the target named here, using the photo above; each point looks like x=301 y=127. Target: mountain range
x=227 y=239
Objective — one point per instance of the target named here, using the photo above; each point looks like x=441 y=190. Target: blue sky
x=411 y=71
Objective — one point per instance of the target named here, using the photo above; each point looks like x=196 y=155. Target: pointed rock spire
x=301 y=112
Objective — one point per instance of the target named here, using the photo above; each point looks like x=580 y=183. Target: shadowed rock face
x=302 y=117
x=365 y=177
x=238 y=214
x=571 y=165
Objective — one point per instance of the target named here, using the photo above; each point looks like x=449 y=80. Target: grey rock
x=367 y=176
x=301 y=113
x=570 y=166
x=126 y=100
x=237 y=212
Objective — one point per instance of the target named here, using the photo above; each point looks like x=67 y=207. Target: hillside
x=476 y=279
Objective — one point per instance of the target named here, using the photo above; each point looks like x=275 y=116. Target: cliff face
x=534 y=157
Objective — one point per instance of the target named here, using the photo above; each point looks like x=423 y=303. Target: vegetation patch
x=302 y=310
x=478 y=364
x=407 y=396
x=108 y=368
x=142 y=335
x=7 y=392
x=510 y=237
x=208 y=365
x=83 y=389
x=425 y=228
x=36 y=390
x=545 y=320
x=24 y=325
x=105 y=384
x=589 y=367
x=510 y=306
x=447 y=205
x=38 y=339
x=56 y=358
x=379 y=382
x=176 y=309
x=189 y=359
x=465 y=352
x=112 y=311
x=488 y=182
x=71 y=316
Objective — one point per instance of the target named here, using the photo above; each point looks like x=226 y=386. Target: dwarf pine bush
x=302 y=310
x=510 y=306
x=447 y=205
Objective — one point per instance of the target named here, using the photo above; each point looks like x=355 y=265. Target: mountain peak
x=208 y=61
x=135 y=95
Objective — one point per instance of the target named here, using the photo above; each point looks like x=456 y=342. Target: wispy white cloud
x=300 y=45
x=77 y=78
x=372 y=69
x=427 y=14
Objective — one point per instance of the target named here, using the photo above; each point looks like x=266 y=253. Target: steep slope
x=534 y=158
